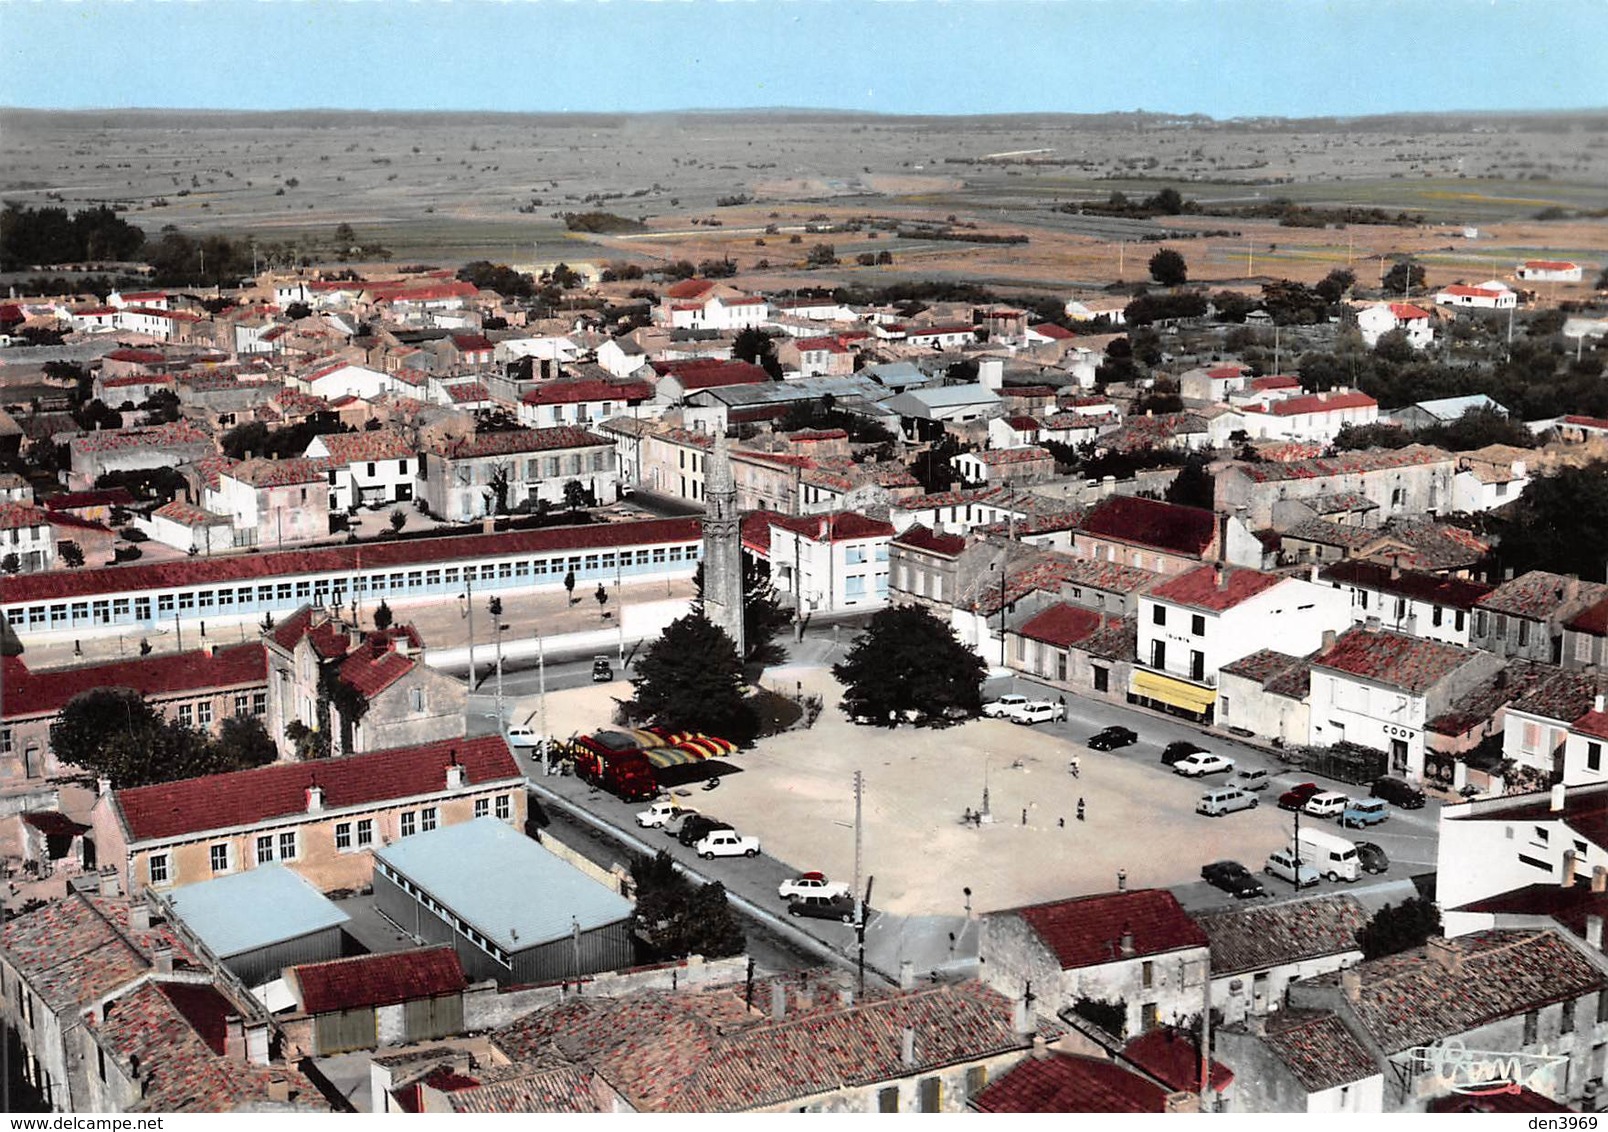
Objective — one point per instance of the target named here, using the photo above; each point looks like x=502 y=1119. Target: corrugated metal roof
x=509 y=887
x=257 y=908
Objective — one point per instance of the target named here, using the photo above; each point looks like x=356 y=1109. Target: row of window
x=1197 y=622
x=467 y=930
x=229 y=599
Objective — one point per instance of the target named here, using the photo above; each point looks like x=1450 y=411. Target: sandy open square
x=796 y=792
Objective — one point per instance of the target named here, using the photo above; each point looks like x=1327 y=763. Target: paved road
x=1408 y=837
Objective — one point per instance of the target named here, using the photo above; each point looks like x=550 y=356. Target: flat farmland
x=449 y=188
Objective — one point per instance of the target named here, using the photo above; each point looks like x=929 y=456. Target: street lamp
x=495 y=606
x=466 y=608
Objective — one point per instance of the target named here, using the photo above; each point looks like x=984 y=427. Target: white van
x=1334 y=857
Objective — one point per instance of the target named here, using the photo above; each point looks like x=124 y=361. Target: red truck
x=614 y=762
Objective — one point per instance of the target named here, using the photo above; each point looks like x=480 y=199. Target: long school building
x=247 y=586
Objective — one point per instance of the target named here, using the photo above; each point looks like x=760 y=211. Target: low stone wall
x=486 y=1008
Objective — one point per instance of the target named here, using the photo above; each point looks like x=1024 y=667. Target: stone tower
x=723 y=546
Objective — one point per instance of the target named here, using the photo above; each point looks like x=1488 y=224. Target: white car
x=811 y=884
x=659 y=815
x=1039 y=711
x=727 y=843
x=1005 y=707
x=1328 y=804
x=1202 y=763
x=524 y=737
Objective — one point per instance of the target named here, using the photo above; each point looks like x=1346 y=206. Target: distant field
x=450 y=188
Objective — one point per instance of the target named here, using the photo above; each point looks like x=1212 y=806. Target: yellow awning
x=1178 y=693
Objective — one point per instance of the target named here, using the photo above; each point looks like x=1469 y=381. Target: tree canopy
x=1399 y=927
x=1404 y=277
x=907 y=660
x=1194 y=485
x=1560 y=524
x=1168 y=268
x=113 y=733
x=677 y=918
x=691 y=679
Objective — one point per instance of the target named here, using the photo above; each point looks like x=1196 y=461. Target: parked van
x=1281 y=864
x=1251 y=779
x=1224 y=800
x=1331 y=855
x=1360 y=812
x=1399 y=792
x=1326 y=804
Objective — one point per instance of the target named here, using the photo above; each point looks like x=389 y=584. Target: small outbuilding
x=259 y=922
x=514 y=912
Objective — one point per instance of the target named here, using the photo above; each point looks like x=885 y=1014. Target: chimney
x=279 y=1090
x=354 y=636
x=1444 y=954
x=1599 y=879
x=257 y=1043
x=234 y=1038
x=1594 y=931
x=778 y=1005
x=139 y=916
x=1220 y=576
x=104 y=785
x=907 y=1047
x=1598 y=704
x=1328 y=638
x=907 y=974
x=1257 y=1023
x=1395 y=568
x=1022 y=1017
x=1371 y=624
x=1122 y=880
x=1571 y=865
x=1559 y=793
x=1351 y=984
x=1125 y=944
x=315 y=797
x=455 y=775
x=110 y=883
x=1312 y=572
x=162 y=959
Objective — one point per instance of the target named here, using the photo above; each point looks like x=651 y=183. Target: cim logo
x=1475 y=1072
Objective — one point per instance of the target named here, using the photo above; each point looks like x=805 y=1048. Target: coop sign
x=1457 y=1069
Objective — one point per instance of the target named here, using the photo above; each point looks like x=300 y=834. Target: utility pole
x=469 y=611
x=859 y=793
x=1296 y=846
x=619 y=609
x=1250 y=259
x=502 y=723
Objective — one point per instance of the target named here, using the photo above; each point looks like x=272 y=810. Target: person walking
x=1080 y=809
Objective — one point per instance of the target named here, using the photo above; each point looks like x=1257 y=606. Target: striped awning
x=1178 y=693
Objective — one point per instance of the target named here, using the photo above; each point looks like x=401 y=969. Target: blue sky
x=1225 y=58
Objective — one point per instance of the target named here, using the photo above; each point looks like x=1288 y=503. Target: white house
x=25 y=532
x=1379 y=689
x=621 y=356
x=1429 y=606
x=1377 y=321
x=1492 y=296
x=90 y=320
x=272 y=502
x=549 y=347
x=1550 y=271
x=1113 y=311
x=1138 y=948
x=1556 y=729
x=1025 y=463
x=718 y=312
x=1498 y=845
x=365 y=468
x=459 y=478
x=827 y=563
x=342 y=379
x=1194 y=623
x=580 y=402
x=1319 y=416
x=940 y=337
x=1258 y=951
x=1483 y=483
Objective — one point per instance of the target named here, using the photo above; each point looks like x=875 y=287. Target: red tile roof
x=1406 y=312
x=1473 y=292
x=370 y=672
x=1062 y=625
x=1173 y=1058
x=1063 y=1083
x=1456 y=593
x=836 y=526
x=710 y=373
x=920 y=537
x=1087 y=931
x=366 y=445
x=340 y=559
x=1315 y=403
x=1151 y=523
x=30 y=694
x=1214 y=587
x=14 y=516
x=378 y=980
x=472 y=343
x=689 y=289
x=1522 y=1101
x=464 y=392
x=515 y=440
x=1318 y=1049
x=1587 y=422
x=1274 y=381
x=1593 y=619
x=1550 y=265
x=1394 y=659
x=67 y=501
x=247 y=797
x=1052 y=331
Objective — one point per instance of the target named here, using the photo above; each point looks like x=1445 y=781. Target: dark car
x=1233 y=878
x=1398 y=792
x=1296 y=796
x=1112 y=738
x=1180 y=750
x=1371 y=857
x=840 y=908
x=602 y=671
x=697 y=827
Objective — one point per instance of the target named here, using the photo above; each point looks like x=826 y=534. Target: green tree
x=399 y=519
x=1477 y=428
x=691 y=679
x=1168 y=268
x=1333 y=286
x=574 y=495
x=908 y=660
x=677 y=918
x=569 y=586
x=71 y=553
x=113 y=733
x=11 y=564
x=1194 y=485
x=1353 y=438
x=383 y=616
x=764 y=616
x=1559 y=524
x=1404 y=278
x=244 y=742
x=821 y=255
x=1399 y=927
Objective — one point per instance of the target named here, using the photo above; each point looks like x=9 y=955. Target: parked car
x=1281 y=864
x=694 y=828
x=1296 y=796
x=1196 y=765
x=1247 y=779
x=1360 y=812
x=660 y=814
x=1325 y=804
x=810 y=884
x=1005 y=707
x=823 y=907
x=602 y=671
x=1182 y=749
x=726 y=843
x=1224 y=800
x=1233 y=878
x=1371 y=857
x=1112 y=738
x=1040 y=711
x=1398 y=792
x=524 y=737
